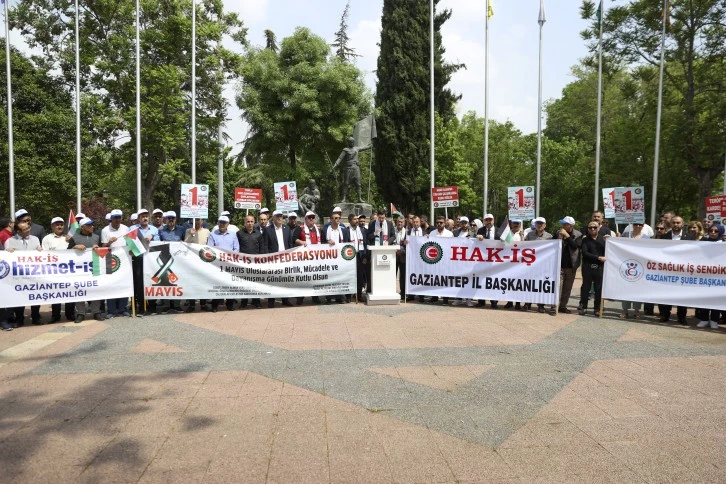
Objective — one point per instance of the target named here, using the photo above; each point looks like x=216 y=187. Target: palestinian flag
x=395 y=211
x=507 y=235
x=102 y=261
x=73 y=224
x=135 y=242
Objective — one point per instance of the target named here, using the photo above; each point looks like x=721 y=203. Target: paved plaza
x=352 y=393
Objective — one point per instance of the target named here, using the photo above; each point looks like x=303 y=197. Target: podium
x=383 y=275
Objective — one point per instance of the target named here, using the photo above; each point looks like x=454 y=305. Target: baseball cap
x=157 y=210
x=516 y=221
x=223 y=218
x=134 y=216
x=568 y=220
x=86 y=221
x=464 y=219
x=170 y=214
x=226 y=212
x=57 y=219
x=540 y=220
x=80 y=215
x=264 y=210
x=116 y=213
x=292 y=215
x=108 y=216
x=310 y=213
x=337 y=210
x=276 y=213
x=143 y=210
x=488 y=216
x=21 y=213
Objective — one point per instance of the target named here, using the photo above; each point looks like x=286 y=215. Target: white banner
x=29 y=278
x=681 y=273
x=178 y=270
x=468 y=268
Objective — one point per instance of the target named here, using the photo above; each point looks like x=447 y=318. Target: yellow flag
x=490 y=9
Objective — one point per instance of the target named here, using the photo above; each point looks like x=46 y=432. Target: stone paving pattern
x=350 y=393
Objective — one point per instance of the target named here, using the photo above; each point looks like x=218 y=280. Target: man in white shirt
x=440 y=231
x=57 y=240
x=112 y=235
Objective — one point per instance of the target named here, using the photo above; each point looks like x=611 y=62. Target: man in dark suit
x=488 y=231
x=358 y=236
x=250 y=242
x=380 y=232
x=276 y=238
x=677 y=232
x=335 y=233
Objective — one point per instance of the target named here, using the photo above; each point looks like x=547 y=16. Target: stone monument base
x=356 y=209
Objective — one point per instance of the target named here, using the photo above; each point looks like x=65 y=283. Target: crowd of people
x=276 y=231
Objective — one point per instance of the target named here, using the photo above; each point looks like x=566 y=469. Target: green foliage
x=107 y=43
x=301 y=104
x=44 y=141
x=343 y=50
x=402 y=100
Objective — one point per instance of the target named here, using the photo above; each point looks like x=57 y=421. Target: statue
x=310 y=197
x=348 y=160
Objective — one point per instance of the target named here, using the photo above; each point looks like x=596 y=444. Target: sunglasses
x=640 y=225
x=713 y=231
x=660 y=228
x=311 y=217
x=593 y=227
x=336 y=218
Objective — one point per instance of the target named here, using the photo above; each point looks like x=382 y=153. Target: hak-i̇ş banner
x=29 y=278
x=178 y=270
x=678 y=273
x=487 y=269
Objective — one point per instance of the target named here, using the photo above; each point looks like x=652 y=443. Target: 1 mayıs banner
x=178 y=270
x=680 y=273
x=29 y=278
x=469 y=268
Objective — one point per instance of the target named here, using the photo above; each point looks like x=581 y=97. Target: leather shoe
x=564 y=310
x=682 y=321
x=664 y=318
x=509 y=305
x=79 y=318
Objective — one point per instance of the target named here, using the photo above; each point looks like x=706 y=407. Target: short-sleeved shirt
x=172 y=235
x=54 y=242
x=108 y=232
x=226 y=241
x=149 y=230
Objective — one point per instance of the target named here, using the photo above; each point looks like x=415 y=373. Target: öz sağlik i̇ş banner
x=678 y=273
x=178 y=270
x=468 y=268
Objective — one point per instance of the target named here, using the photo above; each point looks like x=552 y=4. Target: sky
x=513 y=48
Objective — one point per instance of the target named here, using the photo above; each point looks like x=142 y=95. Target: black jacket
x=324 y=234
x=571 y=249
x=269 y=239
x=372 y=233
x=483 y=231
x=592 y=249
x=251 y=243
x=685 y=235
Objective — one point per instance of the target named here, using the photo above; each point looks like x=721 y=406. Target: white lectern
x=383 y=274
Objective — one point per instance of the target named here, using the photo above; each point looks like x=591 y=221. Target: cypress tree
x=402 y=100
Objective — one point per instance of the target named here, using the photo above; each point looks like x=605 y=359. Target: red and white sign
x=629 y=205
x=248 y=198
x=194 y=201
x=445 y=197
x=716 y=208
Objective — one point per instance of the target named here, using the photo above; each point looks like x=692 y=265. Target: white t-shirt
x=444 y=233
x=231 y=228
x=108 y=232
x=54 y=242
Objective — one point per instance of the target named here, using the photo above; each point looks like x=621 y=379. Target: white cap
x=309 y=213
x=143 y=210
x=157 y=210
x=20 y=213
x=464 y=219
x=488 y=216
x=116 y=213
x=516 y=220
x=337 y=210
x=540 y=219
x=292 y=215
x=223 y=218
x=264 y=210
x=568 y=220
x=170 y=213
x=108 y=216
x=226 y=212
x=134 y=216
x=276 y=213
x=86 y=221
x=80 y=215
x=57 y=219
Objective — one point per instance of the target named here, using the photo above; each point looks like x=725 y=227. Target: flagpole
x=656 y=160
x=138 y=107
x=78 y=116
x=486 y=109
x=599 y=115
x=11 y=157
x=194 y=92
x=541 y=20
x=431 y=97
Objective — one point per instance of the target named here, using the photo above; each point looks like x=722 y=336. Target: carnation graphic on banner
x=194 y=201
x=521 y=202
x=286 y=196
x=629 y=205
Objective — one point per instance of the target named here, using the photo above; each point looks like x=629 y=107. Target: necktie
x=487 y=233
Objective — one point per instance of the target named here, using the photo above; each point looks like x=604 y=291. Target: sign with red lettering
x=445 y=197
x=520 y=201
x=629 y=205
x=716 y=208
x=248 y=198
x=286 y=196
x=194 y=201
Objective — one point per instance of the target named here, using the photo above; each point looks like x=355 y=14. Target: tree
x=301 y=104
x=695 y=76
x=44 y=140
x=107 y=35
x=343 y=50
x=402 y=99
x=271 y=41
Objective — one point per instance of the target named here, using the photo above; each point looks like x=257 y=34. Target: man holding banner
x=86 y=239
x=677 y=232
x=276 y=237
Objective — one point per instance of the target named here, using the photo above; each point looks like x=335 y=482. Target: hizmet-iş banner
x=31 y=277
x=178 y=270
x=469 y=268
x=679 y=273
